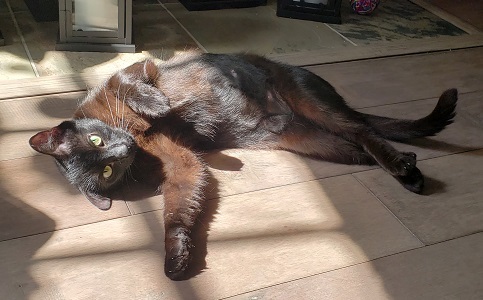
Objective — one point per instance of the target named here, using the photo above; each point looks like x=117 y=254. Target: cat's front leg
x=185 y=178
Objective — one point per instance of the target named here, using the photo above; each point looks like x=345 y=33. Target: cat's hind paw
x=413 y=181
x=403 y=165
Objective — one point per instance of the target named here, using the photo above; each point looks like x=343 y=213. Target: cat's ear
x=52 y=141
x=101 y=202
x=147 y=71
x=136 y=85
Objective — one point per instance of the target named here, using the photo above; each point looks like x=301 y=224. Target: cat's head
x=92 y=155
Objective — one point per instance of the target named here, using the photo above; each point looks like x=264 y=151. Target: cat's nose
x=120 y=151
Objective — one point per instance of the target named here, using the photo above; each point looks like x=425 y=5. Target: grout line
x=64 y=228
x=19 y=32
x=182 y=26
x=388 y=56
x=341 y=35
x=128 y=208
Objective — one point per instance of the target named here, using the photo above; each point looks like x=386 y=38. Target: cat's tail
x=403 y=130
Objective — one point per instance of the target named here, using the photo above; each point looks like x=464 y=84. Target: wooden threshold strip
x=381 y=50
x=47 y=85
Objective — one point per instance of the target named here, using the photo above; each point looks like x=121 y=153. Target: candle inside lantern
x=95 y=15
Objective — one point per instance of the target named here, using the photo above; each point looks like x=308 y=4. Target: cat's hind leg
x=318 y=102
x=401 y=165
x=371 y=150
x=323 y=145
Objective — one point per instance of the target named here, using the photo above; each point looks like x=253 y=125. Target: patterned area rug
x=393 y=20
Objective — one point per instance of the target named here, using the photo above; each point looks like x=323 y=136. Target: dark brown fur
x=200 y=102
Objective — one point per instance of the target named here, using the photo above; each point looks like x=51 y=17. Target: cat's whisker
x=129 y=172
x=127 y=125
x=120 y=119
x=109 y=105
x=106 y=117
x=122 y=114
x=130 y=127
x=124 y=102
x=79 y=102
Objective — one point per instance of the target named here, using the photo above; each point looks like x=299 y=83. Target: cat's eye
x=107 y=172
x=96 y=140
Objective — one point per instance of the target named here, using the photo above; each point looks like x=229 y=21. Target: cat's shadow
x=433 y=144
x=433 y=186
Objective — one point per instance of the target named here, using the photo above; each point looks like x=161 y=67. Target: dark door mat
x=44 y=10
x=470 y=11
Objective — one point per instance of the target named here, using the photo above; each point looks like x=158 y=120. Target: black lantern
x=95 y=25
x=327 y=11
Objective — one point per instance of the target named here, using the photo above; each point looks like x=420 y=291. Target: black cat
x=149 y=121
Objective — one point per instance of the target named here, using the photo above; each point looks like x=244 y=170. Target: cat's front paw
x=178 y=255
x=403 y=164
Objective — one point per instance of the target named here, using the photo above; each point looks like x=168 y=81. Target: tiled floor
x=276 y=225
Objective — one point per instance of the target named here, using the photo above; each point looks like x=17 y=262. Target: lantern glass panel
x=95 y=15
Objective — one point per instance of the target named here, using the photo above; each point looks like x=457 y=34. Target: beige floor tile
x=36 y=198
x=22 y=118
x=392 y=80
x=155 y=32
x=451 y=206
x=41 y=39
x=450 y=270
x=239 y=171
x=14 y=62
x=334 y=223
x=255 y=29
